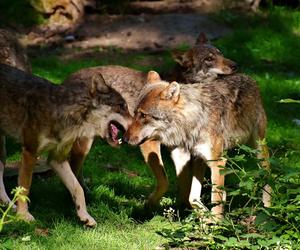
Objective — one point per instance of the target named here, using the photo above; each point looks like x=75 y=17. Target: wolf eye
x=123 y=106
x=209 y=59
x=143 y=115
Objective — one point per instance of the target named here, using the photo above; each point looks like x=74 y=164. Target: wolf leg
x=263 y=155
x=218 y=194
x=181 y=159
x=25 y=178
x=152 y=156
x=80 y=149
x=3 y=195
x=64 y=171
x=198 y=171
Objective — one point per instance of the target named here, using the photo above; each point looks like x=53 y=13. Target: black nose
x=125 y=138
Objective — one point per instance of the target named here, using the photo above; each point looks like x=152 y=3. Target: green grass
x=266 y=47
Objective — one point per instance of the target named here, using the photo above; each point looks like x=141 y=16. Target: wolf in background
x=200 y=121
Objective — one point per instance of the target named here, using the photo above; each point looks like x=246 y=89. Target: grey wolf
x=200 y=63
x=200 y=121
x=45 y=117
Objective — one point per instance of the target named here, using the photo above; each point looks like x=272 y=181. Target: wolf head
x=107 y=110
x=155 y=111
x=203 y=61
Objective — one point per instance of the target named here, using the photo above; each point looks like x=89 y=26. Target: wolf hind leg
x=218 y=194
x=263 y=156
x=65 y=173
x=152 y=156
x=3 y=195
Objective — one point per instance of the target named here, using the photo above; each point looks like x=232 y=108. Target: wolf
x=11 y=53
x=45 y=117
x=202 y=62
x=201 y=121
x=208 y=62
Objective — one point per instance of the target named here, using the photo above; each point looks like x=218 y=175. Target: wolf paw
x=25 y=216
x=197 y=204
x=88 y=220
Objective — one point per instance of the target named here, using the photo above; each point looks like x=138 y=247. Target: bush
x=247 y=224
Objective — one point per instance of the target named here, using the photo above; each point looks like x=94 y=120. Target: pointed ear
x=153 y=77
x=98 y=84
x=171 y=92
x=202 y=39
x=182 y=58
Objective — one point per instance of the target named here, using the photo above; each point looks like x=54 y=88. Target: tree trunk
x=63 y=15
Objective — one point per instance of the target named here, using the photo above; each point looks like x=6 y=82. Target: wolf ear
x=182 y=58
x=202 y=39
x=98 y=84
x=153 y=77
x=171 y=92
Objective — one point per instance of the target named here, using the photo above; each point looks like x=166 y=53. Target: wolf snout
x=130 y=139
x=126 y=138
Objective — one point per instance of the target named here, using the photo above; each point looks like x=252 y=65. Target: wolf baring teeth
x=200 y=121
x=60 y=120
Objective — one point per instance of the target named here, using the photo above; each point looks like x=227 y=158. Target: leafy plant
x=6 y=216
x=247 y=224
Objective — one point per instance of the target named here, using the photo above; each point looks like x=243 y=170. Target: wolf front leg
x=181 y=159
x=198 y=167
x=80 y=149
x=152 y=156
x=25 y=178
x=64 y=171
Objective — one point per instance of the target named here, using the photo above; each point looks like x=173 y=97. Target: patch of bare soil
x=154 y=32
x=159 y=31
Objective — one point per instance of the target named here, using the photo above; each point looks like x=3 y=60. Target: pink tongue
x=114 y=132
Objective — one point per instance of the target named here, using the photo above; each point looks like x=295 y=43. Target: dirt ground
x=152 y=31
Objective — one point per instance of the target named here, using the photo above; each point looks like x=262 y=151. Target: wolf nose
x=126 y=138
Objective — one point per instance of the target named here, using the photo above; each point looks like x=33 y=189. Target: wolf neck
x=71 y=104
x=187 y=120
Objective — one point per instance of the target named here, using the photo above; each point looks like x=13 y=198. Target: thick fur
x=49 y=118
x=201 y=120
x=129 y=83
x=202 y=62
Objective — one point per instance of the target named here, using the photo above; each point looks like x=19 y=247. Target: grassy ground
x=265 y=47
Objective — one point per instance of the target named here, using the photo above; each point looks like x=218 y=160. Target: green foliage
x=18 y=12
x=5 y=212
x=247 y=224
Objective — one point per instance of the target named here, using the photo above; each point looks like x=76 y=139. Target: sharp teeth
x=120 y=141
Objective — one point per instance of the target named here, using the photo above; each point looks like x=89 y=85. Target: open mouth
x=116 y=132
